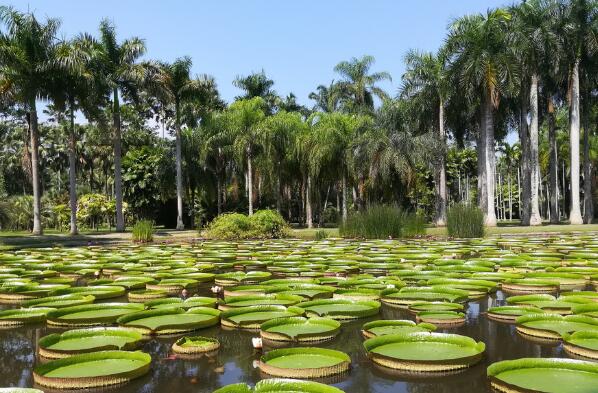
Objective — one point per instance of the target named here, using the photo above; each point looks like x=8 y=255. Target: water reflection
x=234 y=361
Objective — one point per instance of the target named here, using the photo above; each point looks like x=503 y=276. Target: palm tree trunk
x=481 y=164
x=535 y=217
x=575 y=213
x=553 y=164
x=441 y=173
x=179 y=172
x=588 y=202
x=510 y=197
x=489 y=161
x=219 y=194
x=279 y=189
x=72 y=170
x=249 y=181
x=34 y=134
x=344 y=191
x=118 y=187
x=525 y=173
x=308 y=210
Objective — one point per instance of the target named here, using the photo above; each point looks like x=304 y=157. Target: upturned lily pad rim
x=495 y=369
x=129 y=319
x=373 y=307
x=397 y=322
x=179 y=345
x=333 y=327
x=228 y=314
x=456 y=339
x=75 y=299
x=343 y=362
x=51 y=339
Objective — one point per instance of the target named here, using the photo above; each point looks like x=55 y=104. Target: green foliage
x=381 y=222
x=465 y=221
x=93 y=209
x=321 y=234
x=143 y=231
x=264 y=224
x=20 y=212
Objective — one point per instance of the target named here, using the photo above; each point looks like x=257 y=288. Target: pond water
x=234 y=361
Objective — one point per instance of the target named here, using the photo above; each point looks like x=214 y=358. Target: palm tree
x=359 y=87
x=242 y=123
x=174 y=86
x=424 y=86
x=580 y=45
x=481 y=61
x=122 y=74
x=257 y=84
x=534 y=38
x=327 y=98
x=26 y=60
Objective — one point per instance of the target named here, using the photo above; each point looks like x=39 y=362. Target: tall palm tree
x=257 y=84
x=27 y=49
x=174 y=86
x=580 y=37
x=242 y=122
x=327 y=98
x=358 y=85
x=122 y=74
x=424 y=85
x=480 y=59
x=534 y=38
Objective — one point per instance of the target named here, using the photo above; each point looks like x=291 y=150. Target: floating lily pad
x=92 y=370
x=544 y=375
x=441 y=318
x=91 y=314
x=582 y=343
x=79 y=341
x=300 y=329
x=341 y=309
x=170 y=320
x=260 y=300
x=60 y=301
x=424 y=352
x=99 y=291
x=553 y=326
x=304 y=362
x=510 y=313
x=23 y=316
x=276 y=385
x=385 y=327
x=252 y=317
x=195 y=345
x=173 y=302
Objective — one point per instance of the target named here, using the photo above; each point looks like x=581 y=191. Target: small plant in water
x=143 y=231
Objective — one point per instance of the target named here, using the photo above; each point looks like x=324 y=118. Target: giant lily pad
x=79 y=341
x=341 y=309
x=91 y=314
x=170 y=320
x=424 y=352
x=300 y=329
x=582 y=343
x=276 y=385
x=544 y=375
x=92 y=370
x=60 y=301
x=252 y=317
x=553 y=326
x=385 y=327
x=23 y=316
x=304 y=362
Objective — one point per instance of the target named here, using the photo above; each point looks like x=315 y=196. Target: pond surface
x=234 y=361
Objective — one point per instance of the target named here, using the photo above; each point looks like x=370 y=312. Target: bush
x=382 y=222
x=264 y=224
x=321 y=234
x=143 y=231
x=465 y=221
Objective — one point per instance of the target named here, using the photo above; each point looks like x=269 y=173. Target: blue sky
x=297 y=43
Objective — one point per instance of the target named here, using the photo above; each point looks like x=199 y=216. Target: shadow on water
x=234 y=361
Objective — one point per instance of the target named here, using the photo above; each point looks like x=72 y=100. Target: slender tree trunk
x=588 y=201
x=73 y=170
x=441 y=173
x=118 y=186
x=249 y=181
x=489 y=162
x=526 y=162
x=344 y=191
x=510 y=197
x=179 y=172
x=219 y=194
x=519 y=193
x=481 y=165
x=35 y=176
x=574 y=123
x=535 y=216
x=279 y=189
x=553 y=170
x=308 y=209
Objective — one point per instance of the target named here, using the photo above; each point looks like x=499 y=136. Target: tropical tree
x=175 y=86
x=122 y=74
x=358 y=85
x=480 y=60
x=257 y=84
x=27 y=49
x=242 y=123
x=326 y=98
x=424 y=85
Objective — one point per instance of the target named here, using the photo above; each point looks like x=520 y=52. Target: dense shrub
x=465 y=221
x=381 y=222
x=95 y=209
x=264 y=224
x=143 y=231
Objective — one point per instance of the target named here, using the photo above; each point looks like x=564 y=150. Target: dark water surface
x=234 y=361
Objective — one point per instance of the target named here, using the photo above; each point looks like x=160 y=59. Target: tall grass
x=143 y=231
x=382 y=222
x=465 y=221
